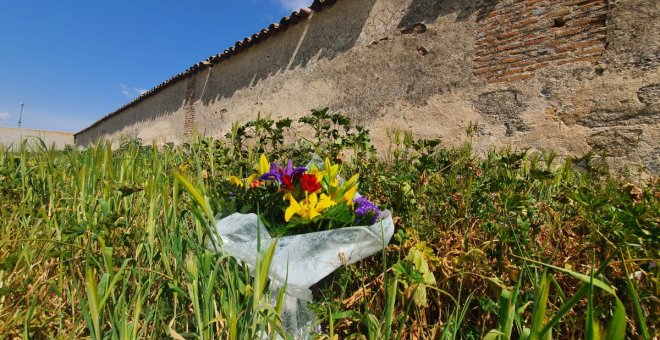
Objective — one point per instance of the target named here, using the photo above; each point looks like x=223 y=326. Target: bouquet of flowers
x=293 y=200
x=320 y=220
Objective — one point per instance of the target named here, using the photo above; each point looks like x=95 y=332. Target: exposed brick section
x=521 y=36
x=189 y=122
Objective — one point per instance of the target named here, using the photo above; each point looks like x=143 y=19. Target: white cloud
x=294 y=5
x=131 y=92
x=124 y=90
x=4 y=115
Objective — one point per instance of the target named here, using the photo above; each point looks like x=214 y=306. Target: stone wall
x=575 y=76
x=12 y=137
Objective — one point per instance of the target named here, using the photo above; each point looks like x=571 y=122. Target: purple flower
x=277 y=172
x=366 y=211
x=290 y=170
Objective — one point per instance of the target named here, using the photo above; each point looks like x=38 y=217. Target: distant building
x=13 y=137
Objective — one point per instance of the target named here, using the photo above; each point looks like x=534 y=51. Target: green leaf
x=390 y=300
x=494 y=334
x=616 y=329
x=419 y=296
x=507 y=316
x=591 y=329
x=584 y=278
x=200 y=199
x=635 y=299
x=581 y=292
x=540 y=305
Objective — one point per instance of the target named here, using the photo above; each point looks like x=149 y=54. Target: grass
x=104 y=243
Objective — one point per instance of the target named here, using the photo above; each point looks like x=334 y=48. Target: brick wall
x=521 y=36
x=189 y=108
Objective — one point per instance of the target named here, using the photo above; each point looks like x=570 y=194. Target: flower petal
x=349 y=194
x=293 y=208
x=353 y=180
x=289 y=168
x=312 y=199
x=312 y=214
x=264 y=166
x=235 y=181
x=324 y=202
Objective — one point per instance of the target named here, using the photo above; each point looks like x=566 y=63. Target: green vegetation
x=106 y=243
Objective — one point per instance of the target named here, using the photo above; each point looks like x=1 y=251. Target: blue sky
x=74 y=61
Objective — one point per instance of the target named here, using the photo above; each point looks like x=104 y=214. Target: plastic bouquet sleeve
x=301 y=260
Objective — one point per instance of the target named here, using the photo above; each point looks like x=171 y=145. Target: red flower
x=286 y=183
x=309 y=183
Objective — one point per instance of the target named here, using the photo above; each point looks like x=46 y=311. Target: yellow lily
x=349 y=194
x=314 y=170
x=350 y=188
x=242 y=182
x=236 y=181
x=308 y=208
x=264 y=165
x=331 y=171
x=353 y=180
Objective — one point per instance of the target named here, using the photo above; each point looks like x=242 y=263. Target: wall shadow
x=322 y=37
x=325 y=35
x=427 y=11
x=155 y=108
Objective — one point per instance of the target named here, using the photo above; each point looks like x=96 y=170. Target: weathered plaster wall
x=572 y=75
x=156 y=119
x=13 y=137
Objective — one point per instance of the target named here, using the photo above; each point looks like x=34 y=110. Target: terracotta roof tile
x=241 y=45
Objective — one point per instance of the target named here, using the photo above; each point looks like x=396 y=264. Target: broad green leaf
x=540 y=305
x=584 y=278
x=616 y=329
x=419 y=296
x=390 y=300
x=494 y=334
x=196 y=194
x=635 y=299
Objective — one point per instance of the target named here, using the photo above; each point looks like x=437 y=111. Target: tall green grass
x=111 y=244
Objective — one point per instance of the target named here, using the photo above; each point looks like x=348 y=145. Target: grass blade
x=616 y=329
x=540 y=305
x=197 y=196
x=635 y=299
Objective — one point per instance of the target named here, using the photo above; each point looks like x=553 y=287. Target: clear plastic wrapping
x=301 y=260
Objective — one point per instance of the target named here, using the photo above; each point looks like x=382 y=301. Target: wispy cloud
x=124 y=90
x=4 y=115
x=131 y=92
x=294 y=5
